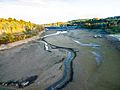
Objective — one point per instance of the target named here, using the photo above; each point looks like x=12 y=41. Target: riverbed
x=95 y=67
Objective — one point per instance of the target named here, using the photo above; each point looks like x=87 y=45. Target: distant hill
x=109 y=25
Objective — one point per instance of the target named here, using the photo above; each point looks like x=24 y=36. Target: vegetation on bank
x=57 y=24
x=12 y=30
x=110 y=25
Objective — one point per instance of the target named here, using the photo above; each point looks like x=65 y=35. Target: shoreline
x=17 y=43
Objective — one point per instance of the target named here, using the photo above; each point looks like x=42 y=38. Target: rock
x=25 y=83
x=97 y=36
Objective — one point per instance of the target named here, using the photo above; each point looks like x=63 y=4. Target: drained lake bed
x=95 y=67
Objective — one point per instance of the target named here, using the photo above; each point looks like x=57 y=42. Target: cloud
x=5 y=1
x=45 y=11
x=33 y=2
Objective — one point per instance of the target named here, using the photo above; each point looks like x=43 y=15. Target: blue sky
x=47 y=11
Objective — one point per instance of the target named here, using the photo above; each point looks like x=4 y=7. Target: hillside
x=110 y=25
x=12 y=30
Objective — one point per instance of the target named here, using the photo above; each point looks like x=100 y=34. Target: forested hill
x=109 y=25
x=13 y=30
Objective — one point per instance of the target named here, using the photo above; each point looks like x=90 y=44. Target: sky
x=47 y=11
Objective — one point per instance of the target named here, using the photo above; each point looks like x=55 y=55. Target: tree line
x=12 y=30
x=109 y=25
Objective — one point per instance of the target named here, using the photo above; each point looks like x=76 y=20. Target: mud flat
x=114 y=40
x=87 y=74
x=20 y=64
x=96 y=66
